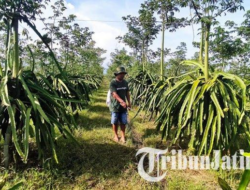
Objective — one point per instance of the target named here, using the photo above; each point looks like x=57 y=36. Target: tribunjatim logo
x=160 y=160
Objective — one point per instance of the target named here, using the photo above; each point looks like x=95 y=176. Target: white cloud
x=89 y=14
x=70 y=6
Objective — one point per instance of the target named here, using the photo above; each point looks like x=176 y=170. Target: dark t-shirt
x=121 y=88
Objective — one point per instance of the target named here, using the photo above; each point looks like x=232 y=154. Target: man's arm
x=117 y=97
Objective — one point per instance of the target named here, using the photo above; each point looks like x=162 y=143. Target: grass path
x=106 y=164
x=101 y=163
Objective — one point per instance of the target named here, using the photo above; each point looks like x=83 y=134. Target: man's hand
x=123 y=104
x=129 y=106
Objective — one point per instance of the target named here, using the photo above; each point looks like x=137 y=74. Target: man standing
x=119 y=93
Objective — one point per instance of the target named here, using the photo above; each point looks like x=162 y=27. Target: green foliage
x=245 y=179
x=210 y=113
x=153 y=96
x=173 y=66
x=142 y=31
x=223 y=184
x=120 y=58
x=37 y=106
x=33 y=109
x=94 y=81
x=140 y=85
x=75 y=91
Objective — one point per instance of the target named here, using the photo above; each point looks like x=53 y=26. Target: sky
x=96 y=12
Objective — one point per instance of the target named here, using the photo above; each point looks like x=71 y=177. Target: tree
x=206 y=13
x=174 y=67
x=142 y=31
x=120 y=58
x=224 y=46
x=206 y=106
x=30 y=105
x=166 y=10
x=244 y=32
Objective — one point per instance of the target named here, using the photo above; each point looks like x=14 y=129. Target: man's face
x=121 y=76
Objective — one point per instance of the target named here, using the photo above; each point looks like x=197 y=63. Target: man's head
x=120 y=73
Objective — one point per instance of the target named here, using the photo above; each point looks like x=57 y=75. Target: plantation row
x=200 y=104
x=41 y=94
x=200 y=107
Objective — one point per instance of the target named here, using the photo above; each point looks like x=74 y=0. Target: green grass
x=101 y=163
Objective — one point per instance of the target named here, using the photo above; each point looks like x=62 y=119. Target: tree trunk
x=7 y=53
x=207 y=34
x=201 y=43
x=16 y=65
x=143 y=59
x=223 y=65
x=1 y=71
x=162 y=48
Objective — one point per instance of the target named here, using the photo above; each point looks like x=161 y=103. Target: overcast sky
x=113 y=10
